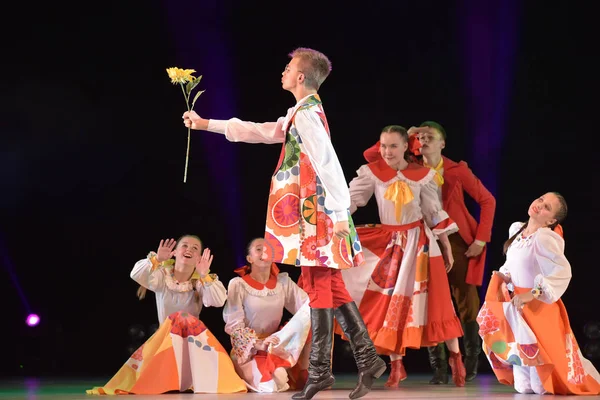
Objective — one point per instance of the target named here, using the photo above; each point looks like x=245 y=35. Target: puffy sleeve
x=236 y=130
x=295 y=297
x=514 y=228
x=555 y=275
x=435 y=217
x=324 y=160
x=148 y=275
x=212 y=291
x=243 y=338
x=362 y=188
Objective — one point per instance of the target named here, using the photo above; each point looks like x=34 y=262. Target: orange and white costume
x=534 y=348
x=182 y=354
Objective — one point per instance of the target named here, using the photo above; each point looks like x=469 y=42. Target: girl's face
x=258 y=256
x=189 y=250
x=392 y=148
x=543 y=209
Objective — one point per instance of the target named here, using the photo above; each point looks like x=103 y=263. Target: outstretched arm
x=236 y=130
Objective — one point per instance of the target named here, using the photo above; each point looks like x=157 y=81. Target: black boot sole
x=367 y=382
x=311 y=388
x=439 y=381
x=470 y=377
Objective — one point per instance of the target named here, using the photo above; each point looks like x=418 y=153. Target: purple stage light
x=32 y=320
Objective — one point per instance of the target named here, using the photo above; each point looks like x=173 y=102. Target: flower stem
x=187 y=156
x=185 y=96
x=187 y=152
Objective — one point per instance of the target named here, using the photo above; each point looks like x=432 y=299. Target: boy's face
x=432 y=142
x=292 y=75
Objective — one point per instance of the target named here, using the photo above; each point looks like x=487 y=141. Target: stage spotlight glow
x=32 y=320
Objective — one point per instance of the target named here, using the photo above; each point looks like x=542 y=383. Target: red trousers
x=325 y=287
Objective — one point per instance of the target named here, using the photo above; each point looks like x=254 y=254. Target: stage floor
x=415 y=387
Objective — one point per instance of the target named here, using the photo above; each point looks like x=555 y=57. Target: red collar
x=384 y=172
x=244 y=272
x=271 y=283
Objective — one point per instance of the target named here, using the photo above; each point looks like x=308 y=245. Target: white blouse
x=426 y=204
x=251 y=314
x=538 y=261
x=172 y=296
x=261 y=310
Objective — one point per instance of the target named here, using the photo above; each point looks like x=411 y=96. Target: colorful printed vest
x=299 y=229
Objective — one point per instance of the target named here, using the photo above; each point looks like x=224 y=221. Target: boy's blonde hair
x=314 y=65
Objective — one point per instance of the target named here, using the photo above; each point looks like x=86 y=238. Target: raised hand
x=203 y=265
x=412 y=130
x=419 y=131
x=165 y=249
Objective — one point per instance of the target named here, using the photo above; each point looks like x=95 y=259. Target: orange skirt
x=181 y=355
x=538 y=336
x=402 y=289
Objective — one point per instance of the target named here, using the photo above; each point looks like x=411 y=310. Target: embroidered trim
x=448 y=225
x=181 y=287
x=538 y=285
x=174 y=285
x=207 y=280
x=242 y=342
x=523 y=241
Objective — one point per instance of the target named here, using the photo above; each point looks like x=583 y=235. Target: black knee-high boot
x=370 y=365
x=472 y=343
x=319 y=367
x=439 y=364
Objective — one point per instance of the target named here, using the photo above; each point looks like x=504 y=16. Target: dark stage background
x=92 y=145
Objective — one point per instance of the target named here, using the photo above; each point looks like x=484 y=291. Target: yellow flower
x=179 y=75
x=188 y=83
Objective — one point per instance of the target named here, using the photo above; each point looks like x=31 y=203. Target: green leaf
x=195 y=83
x=188 y=87
x=196 y=97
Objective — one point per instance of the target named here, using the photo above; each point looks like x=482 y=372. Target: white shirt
x=317 y=145
x=538 y=260
x=173 y=296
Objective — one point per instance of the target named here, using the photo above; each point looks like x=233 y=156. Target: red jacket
x=458 y=178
